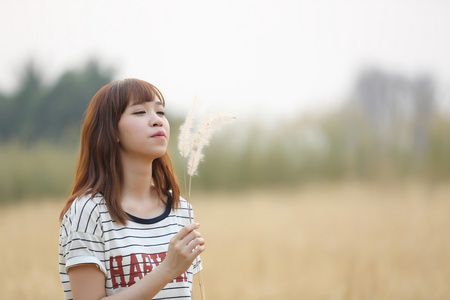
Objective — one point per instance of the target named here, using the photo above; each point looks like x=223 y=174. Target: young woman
x=125 y=231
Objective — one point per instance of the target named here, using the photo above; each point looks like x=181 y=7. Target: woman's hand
x=184 y=247
x=88 y=282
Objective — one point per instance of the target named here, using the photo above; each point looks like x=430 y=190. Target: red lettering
x=135 y=270
x=146 y=263
x=154 y=257
x=117 y=272
x=162 y=256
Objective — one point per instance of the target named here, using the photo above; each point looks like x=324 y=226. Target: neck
x=137 y=179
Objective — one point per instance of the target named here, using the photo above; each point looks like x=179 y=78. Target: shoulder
x=184 y=204
x=84 y=213
x=184 y=210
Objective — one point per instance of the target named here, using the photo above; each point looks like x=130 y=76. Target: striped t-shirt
x=124 y=254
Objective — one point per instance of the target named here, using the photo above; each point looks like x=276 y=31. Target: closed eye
x=141 y=112
x=161 y=113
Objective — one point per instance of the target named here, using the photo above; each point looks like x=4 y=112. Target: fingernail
x=198 y=224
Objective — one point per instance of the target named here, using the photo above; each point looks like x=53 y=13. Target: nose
x=156 y=121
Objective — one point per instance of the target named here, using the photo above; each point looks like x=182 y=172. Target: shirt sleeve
x=82 y=236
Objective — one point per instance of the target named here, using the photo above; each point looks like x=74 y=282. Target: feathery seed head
x=191 y=142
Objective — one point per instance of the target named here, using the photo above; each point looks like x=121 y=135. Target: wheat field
x=335 y=241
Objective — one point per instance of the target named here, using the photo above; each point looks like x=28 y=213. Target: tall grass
x=35 y=171
x=341 y=242
x=345 y=241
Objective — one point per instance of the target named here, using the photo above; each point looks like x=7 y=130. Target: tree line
x=37 y=111
x=389 y=128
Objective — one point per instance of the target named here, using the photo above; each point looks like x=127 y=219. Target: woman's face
x=144 y=130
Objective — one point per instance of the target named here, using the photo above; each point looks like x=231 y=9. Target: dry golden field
x=343 y=241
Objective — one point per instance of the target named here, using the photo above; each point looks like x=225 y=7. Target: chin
x=159 y=154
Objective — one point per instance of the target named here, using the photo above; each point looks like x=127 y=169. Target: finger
x=192 y=235
x=197 y=242
x=197 y=251
x=186 y=230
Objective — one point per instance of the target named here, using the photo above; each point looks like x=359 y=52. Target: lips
x=159 y=134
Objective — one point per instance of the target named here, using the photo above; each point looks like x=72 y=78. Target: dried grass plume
x=191 y=141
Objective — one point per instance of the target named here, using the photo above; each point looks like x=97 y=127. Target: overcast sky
x=248 y=56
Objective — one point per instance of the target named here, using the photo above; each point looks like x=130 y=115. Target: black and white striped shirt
x=124 y=254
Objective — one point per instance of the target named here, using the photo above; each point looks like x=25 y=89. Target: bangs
x=137 y=90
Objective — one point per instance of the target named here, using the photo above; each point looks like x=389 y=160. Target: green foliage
x=36 y=111
x=245 y=155
x=370 y=138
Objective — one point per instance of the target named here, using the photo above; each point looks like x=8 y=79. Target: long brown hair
x=99 y=167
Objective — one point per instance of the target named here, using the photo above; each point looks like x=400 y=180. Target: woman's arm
x=88 y=282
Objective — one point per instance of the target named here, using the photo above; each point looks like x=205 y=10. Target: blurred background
x=342 y=107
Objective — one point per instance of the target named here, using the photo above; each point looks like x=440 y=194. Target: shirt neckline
x=157 y=219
